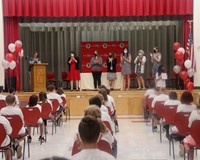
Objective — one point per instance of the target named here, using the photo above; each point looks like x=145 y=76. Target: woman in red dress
x=74 y=72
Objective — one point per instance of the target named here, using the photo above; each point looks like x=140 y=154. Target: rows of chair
x=169 y=116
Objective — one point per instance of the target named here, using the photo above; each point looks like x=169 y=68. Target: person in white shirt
x=53 y=95
x=186 y=102
x=2 y=97
x=12 y=91
x=160 y=77
x=33 y=102
x=89 y=132
x=7 y=140
x=189 y=141
x=172 y=99
x=98 y=100
x=161 y=97
x=11 y=109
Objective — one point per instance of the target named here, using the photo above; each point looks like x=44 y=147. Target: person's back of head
x=173 y=95
x=156 y=91
x=51 y=88
x=11 y=91
x=162 y=90
x=33 y=100
x=186 y=98
x=160 y=69
x=104 y=94
x=42 y=96
x=60 y=91
x=95 y=101
x=104 y=87
x=10 y=100
x=89 y=130
x=100 y=96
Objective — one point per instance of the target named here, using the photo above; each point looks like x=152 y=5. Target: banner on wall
x=104 y=48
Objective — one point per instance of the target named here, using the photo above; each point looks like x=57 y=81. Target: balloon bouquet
x=184 y=75
x=14 y=48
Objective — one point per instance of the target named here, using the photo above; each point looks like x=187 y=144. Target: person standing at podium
x=33 y=60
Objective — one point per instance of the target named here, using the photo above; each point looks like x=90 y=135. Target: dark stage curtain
x=80 y=8
x=11 y=34
x=54 y=41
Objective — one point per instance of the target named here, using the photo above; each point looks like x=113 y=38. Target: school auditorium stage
x=127 y=102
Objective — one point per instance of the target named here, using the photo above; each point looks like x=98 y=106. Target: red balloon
x=176 y=46
x=180 y=62
x=183 y=75
x=9 y=57
x=18 y=48
x=189 y=86
x=186 y=81
x=178 y=55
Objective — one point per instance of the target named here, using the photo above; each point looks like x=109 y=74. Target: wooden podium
x=38 y=77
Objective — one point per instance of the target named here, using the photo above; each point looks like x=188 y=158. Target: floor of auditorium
x=135 y=141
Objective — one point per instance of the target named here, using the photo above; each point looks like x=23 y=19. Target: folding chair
x=31 y=117
x=16 y=124
x=67 y=108
x=107 y=124
x=181 y=122
x=2 y=138
x=160 y=111
x=76 y=148
x=104 y=146
x=45 y=113
x=2 y=104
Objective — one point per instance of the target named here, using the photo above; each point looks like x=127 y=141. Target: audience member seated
x=89 y=133
x=172 y=99
x=150 y=90
x=43 y=99
x=155 y=93
x=185 y=106
x=104 y=115
x=11 y=109
x=2 y=97
x=189 y=141
x=33 y=102
x=110 y=104
x=12 y=91
x=103 y=107
x=7 y=140
x=53 y=95
x=160 y=97
x=60 y=92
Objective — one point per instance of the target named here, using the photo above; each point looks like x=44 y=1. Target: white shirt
x=195 y=115
x=160 y=80
x=92 y=154
x=172 y=102
x=109 y=105
x=161 y=97
x=108 y=137
x=149 y=92
x=105 y=117
x=104 y=108
x=63 y=95
x=111 y=100
x=2 y=97
x=152 y=96
x=53 y=95
x=10 y=110
x=186 y=108
x=8 y=129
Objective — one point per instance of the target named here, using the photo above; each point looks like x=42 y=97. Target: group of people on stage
x=96 y=63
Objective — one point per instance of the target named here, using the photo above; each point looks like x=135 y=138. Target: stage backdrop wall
x=104 y=48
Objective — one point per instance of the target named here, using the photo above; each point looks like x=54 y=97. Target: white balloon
x=188 y=64
x=21 y=54
x=18 y=42
x=12 y=64
x=190 y=72
x=11 y=47
x=177 y=69
x=181 y=49
x=5 y=64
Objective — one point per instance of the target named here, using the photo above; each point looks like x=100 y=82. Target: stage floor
x=127 y=102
